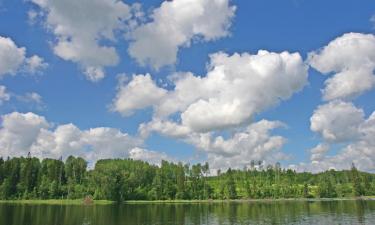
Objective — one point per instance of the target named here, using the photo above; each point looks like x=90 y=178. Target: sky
x=222 y=81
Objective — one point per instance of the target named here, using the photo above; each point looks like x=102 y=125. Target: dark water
x=288 y=212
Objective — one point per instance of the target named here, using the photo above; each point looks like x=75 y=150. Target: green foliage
x=231 y=186
x=127 y=179
x=358 y=189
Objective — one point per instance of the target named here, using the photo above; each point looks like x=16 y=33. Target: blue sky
x=67 y=95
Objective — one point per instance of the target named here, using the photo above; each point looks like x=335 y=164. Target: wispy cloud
x=372 y=20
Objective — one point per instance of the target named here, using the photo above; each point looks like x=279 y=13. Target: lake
x=279 y=212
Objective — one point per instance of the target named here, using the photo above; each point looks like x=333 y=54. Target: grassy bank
x=107 y=202
x=249 y=200
x=57 y=202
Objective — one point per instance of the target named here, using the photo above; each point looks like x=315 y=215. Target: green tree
x=231 y=186
x=356 y=180
x=180 y=181
x=306 y=191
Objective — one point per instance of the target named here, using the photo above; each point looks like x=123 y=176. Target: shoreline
x=56 y=202
x=108 y=202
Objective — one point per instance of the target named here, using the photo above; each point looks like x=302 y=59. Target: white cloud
x=21 y=133
x=81 y=26
x=92 y=144
x=361 y=149
x=176 y=24
x=34 y=97
x=4 y=95
x=31 y=100
x=35 y=63
x=139 y=93
x=236 y=88
x=11 y=56
x=360 y=152
x=31 y=97
x=253 y=143
x=152 y=157
x=352 y=58
x=337 y=121
x=318 y=152
x=164 y=127
x=13 y=59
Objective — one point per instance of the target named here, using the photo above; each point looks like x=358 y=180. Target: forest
x=127 y=179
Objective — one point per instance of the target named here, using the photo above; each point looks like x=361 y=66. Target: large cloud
x=352 y=58
x=80 y=27
x=176 y=24
x=19 y=131
x=13 y=59
x=337 y=121
x=236 y=88
x=27 y=132
x=360 y=152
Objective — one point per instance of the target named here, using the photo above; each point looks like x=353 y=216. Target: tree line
x=127 y=179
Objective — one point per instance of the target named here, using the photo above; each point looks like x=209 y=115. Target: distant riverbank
x=107 y=202
x=57 y=202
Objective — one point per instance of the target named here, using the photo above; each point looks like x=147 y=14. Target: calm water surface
x=287 y=212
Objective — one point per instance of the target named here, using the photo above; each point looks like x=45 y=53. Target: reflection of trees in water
x=360 y=210
x=283 y=212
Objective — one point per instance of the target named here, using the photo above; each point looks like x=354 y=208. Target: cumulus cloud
x=236 y=88
x=255 y=142
x=139 y=93
x=337 y=121
x=360 y=152
x=351 y=58
x=21 y=133
x=176 y=24
x=80 y=27
x=13 y=59
x=4 y=95
x=318 y=152
x=91 y=144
